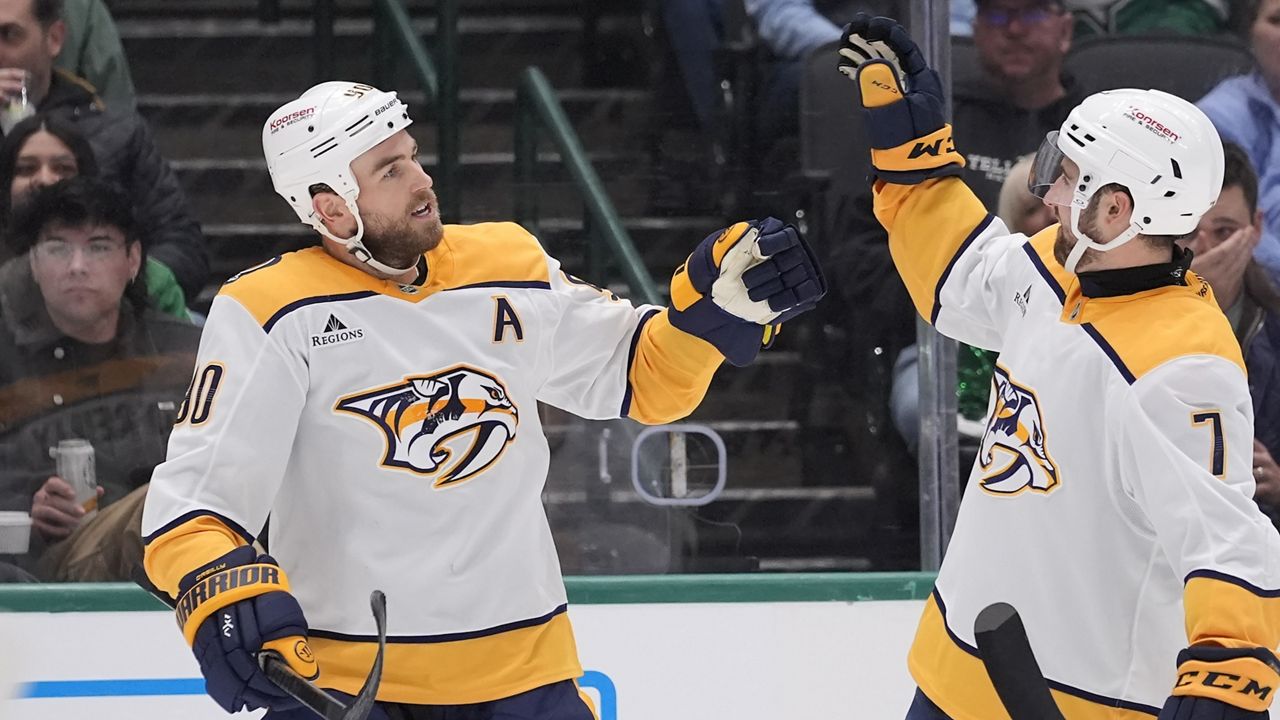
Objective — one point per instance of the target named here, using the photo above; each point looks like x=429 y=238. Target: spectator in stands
x=121 y=141
x=40 y=151
x=99 y=365
x=1246 y=111
x=1113 y=17
x=1020 y=92
x=92 y=50
x=1223 y=249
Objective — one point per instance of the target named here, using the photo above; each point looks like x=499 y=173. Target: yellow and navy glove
x=741 y=283
x=1217 y=683
x=902 y=98
x=232 y=609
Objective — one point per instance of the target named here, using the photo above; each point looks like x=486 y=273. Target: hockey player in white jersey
x=376 y=399
x=1111 y=499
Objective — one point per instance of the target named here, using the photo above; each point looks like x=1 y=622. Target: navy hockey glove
x=1216 y=683
x=902 y=98
x=231 y=609
x=741 y=283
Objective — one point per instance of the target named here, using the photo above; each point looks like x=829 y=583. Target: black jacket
x=127 y=154
x=122 y=396
x=992 y=134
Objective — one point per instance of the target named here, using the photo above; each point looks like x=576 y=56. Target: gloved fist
x=229 y=611
x=902 y=97
x=741 y=283
x=1218 y=683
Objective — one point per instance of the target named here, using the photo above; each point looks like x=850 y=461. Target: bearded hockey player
x=1111 y=499
x=376 y=398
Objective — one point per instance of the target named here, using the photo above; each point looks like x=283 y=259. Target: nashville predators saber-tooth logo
x=1016 y=429
x=449 y=425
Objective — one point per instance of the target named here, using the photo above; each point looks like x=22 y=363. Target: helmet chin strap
x=1084 y=242
x=355 y=245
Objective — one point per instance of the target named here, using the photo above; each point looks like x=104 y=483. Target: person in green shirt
x=92 y=50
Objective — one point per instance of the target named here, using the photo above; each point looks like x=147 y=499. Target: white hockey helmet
x=313 y=140
x=1161 y=148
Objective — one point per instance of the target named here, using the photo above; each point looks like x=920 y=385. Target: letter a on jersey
x=1015 y=431
x=449 y=425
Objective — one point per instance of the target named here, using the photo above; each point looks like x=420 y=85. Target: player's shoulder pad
x=497 y=254
x=266 y=289
x=1177 y=322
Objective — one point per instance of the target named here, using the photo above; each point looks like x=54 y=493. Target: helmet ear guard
x=313 y=141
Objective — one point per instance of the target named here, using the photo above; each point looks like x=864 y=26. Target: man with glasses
x=86 y=358
x=1020 y=93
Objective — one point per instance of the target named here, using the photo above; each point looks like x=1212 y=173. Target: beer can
x=75 y=464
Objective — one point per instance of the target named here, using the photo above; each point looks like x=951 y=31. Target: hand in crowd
x=54 y=510
x=11 y=81
x=1267 y=474
x=1223 y=265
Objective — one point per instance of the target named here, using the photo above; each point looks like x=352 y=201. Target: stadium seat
x=1182 y=65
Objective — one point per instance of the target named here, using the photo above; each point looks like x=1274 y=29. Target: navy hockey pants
x=922 y=708
x=557 y=701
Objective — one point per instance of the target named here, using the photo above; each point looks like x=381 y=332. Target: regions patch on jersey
x=336 y=332
x=1015 y=430
x=449 y=425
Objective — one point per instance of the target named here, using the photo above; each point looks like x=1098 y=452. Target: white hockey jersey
x=390 y=433
x=1111 y=501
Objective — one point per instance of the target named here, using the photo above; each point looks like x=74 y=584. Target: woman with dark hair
x=1246 y=111
x=40 y=151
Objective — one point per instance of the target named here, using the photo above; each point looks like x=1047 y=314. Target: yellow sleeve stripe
x=191 y=541
x=669 y=373
x=1229 y=612
x=930 y=226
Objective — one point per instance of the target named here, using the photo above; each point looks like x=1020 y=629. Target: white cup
x=15 y=533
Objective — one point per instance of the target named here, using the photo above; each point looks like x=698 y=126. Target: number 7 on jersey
x=1218 y=457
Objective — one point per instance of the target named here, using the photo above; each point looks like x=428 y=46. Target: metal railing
x=392 y=31
x=536 y=105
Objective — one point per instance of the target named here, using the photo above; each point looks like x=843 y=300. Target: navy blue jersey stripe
x=296 y=304
x=631 y=358
x=1044 y=272
x=448 y=637
x=937 y=291
x=1223 y=577
x=1110 y=351
x=1103 y=699
x=533 y=284
x=235 y=526
x=942 y=607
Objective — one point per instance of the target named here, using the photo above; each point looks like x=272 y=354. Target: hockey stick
x=319 y=701
x=1006 y=653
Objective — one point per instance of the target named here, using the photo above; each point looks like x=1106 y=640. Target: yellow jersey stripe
x=669 y=372
x=1227 y=611
x=188 y=542
x=428 y=671
x=929 y=231
x=946 y=667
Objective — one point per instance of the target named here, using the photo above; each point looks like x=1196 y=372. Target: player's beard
x=1065 y=241
x=399 y=243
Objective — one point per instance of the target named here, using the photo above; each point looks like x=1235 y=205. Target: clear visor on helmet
x=1047 y=167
